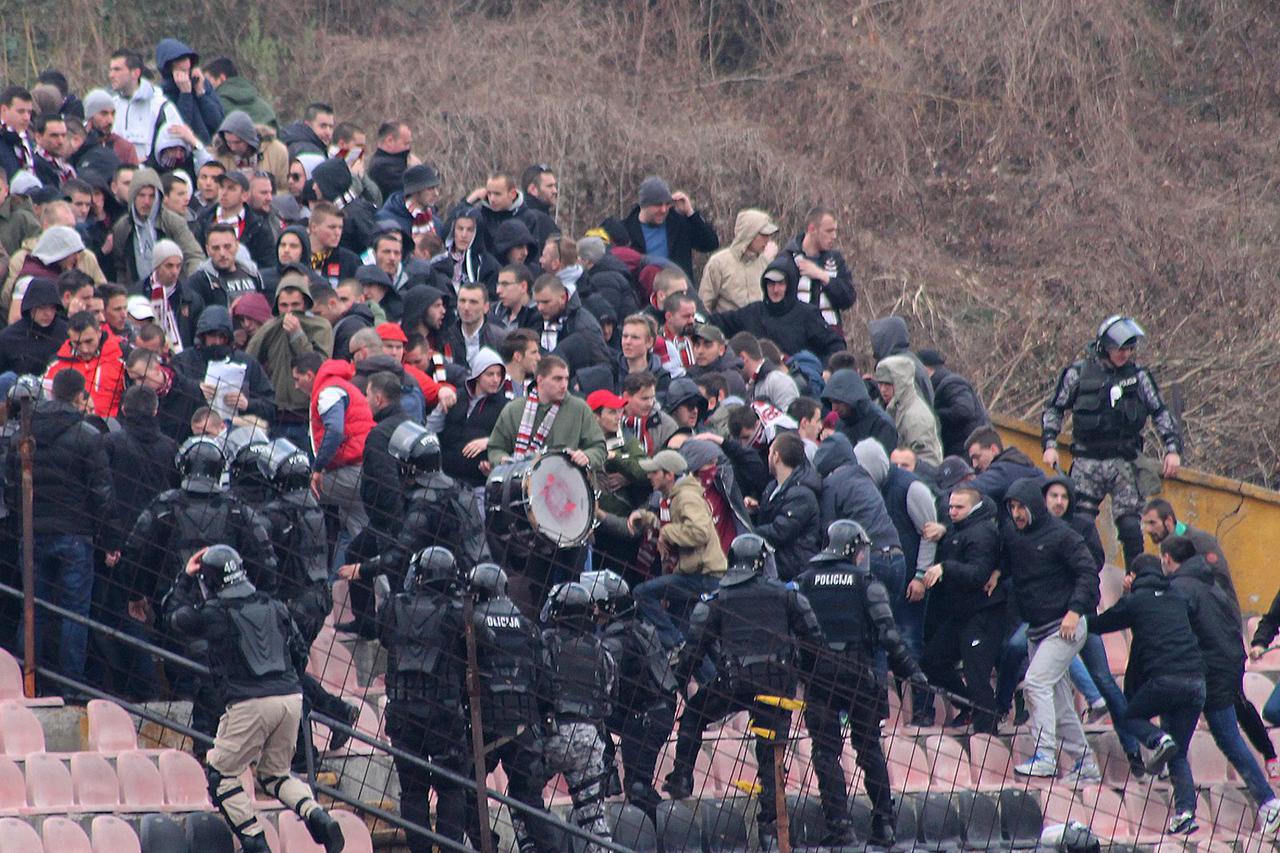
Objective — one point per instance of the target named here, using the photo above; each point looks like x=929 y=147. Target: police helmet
x=200 y=463
x=247 y=449
x=222 y=572
x=26 y=388
x=747 y=555
x=609 y=591
x=1119 y=331
x=431 y=568
x=844 y=539
x=288 y=466
x=568 y=604
x=487 y=581
x=416 y=449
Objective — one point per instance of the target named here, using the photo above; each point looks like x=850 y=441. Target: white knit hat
x=164 y=249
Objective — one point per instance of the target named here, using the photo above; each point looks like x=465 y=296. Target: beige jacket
x=731 y=279
x=691 y=532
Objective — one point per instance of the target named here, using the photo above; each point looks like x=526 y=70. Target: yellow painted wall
x=1244 y=517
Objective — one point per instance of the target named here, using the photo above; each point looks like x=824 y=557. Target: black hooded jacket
x=788 y=520
x=301 y=139
x=194 y=362
x=1010 y=466
x=867 y=420
x=849 y=492
x=271 y=274
x=1080 y=522
x=26 y=347
x=1213 y=618
x=359 y=316
x=511 y=234
x=959 y=410
x=581 y=341
x=1051 y=568
x=72 y=486
x=889 y=336
x=969 y=553
x=137 y=447
x=790 y=324
x=610 y=279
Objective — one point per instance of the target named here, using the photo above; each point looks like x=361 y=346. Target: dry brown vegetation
x=1008 y=173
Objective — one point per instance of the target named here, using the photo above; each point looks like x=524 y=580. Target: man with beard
x=222 y=278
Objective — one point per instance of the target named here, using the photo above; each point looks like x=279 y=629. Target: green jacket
x=237 y=93
x=575 y=427
x=275 y=350
x=624 y=460
x=17 y=223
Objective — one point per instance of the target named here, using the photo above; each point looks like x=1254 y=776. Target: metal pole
x=477 y=728
x=26 y=449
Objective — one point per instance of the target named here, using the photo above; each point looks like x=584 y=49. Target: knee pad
x=1129 y=532
x=271 y=784
x=221 y=787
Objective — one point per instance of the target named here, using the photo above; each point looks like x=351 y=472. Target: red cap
x=392 y=332
x=605 y=399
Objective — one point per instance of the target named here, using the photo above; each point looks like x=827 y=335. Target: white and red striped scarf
x=423 y=223
x=807 y=286
x=22 y=150
x=551 y=330
x=237 y=221
x=678 y=352
x=65 y=170
x=527 y=441
x=164 y=314
x=640 y=428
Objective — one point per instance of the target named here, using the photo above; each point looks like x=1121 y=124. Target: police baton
x=477 y=728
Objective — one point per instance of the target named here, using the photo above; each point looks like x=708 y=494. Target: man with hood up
x=848 y=492
x=1056 y=579
x=331 y=182
x=729 y=280
x=425 y=310
x=239 y=146
x=293 y=331
x=858 y=418
x=145 y=223
x=464 y=258
x=917 y=427
x=889 y=336
x=955 y=402
x=825 y=282
x=184 y=85
x=781 y=317
x=514 y=243
x=213 y=342
x=27 y=346
x=293 y=246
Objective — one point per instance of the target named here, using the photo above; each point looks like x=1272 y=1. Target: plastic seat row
x=45 y=784
x=11 y=684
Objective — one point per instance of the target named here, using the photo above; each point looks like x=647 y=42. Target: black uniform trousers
x=642 y=732
x=437 y=733
x=521 y=758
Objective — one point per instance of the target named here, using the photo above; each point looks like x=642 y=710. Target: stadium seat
x=1020 y=818
x=1208 y=765
x=355 y=832
x=677 y=827
x=1257 y=688
x=1233 y=813
x=11 y=685
x=630 y=826
x=95 y=783
x=908 y=764
x=208 y=832
x=19 y=836
x=1111 y=585
x=1111 y=759
x=1147 y=810
x=184 y=780
x=20 y=732
x=141 y=787
x=980 y=819
x=333 y=665
x=64 y=836
x=1105 y=813
x=49 y=788
x=724 y=825
x=294 y=837
x=272 y=836
x=13 y=788
x=113 y=835
x=111 y=729
x=162 y=834
x=948 y=764
x=939 y=821
x=990 y=760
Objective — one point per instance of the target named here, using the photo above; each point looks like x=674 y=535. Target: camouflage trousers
x=576 y=750
x=1097 y=478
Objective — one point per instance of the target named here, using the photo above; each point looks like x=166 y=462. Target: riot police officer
x=507 y=656
x=852 y=607
x=644 y=712
x=435 y=511
x=1110 y=396
x=580 y=678
x=422 y=629
x=302 y=557
x=247 y=454
x=756 y=622
x=256 y=653
x=178 y=523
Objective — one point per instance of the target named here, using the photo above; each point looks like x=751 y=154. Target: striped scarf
x=21 y=150
x=640 y=428
x=679 y=351
x=807 y=287
x=551 y=333
x=65 y=170
x=649 y=544
x=527 y=441
x=421 y=216
x=164 y=314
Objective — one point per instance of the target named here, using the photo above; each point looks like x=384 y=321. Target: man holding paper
x=233 y=383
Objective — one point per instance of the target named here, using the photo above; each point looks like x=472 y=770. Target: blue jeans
x=1271 y=710
x=1083 y=681
x=1178 y=701
x=679 y=592
x=64 y=576
x=1225 y=729
x=1094 y=658
x=1012 y=660
x=890 y=570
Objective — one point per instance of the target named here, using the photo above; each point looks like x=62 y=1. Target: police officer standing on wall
x=756 y=621
x=256 y=653
x=508 y=654
x=579 y=682
x=852 y=607
x=644 y=713
x=422 y=629
x=1110 y=396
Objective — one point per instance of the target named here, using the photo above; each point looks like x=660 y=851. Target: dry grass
x=1008 y=174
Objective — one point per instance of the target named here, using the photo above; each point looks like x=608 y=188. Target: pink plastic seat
x=908 y=764
x=1111 y=585
x=95 y=783
x=333 y=665
x=184 y=780
x=1208 y=765
x=949 y=765
x=113 y=835
x=19 y=836
x=1257 y=688
x=1148 y=811
x=1116 y=644
x=294 y=837
x=273 y=837
x=1060 y=805
x=366 y=723
x=355 y=833
x=64 y=836
x=990 y=760
x=11 y=684
x=13 y=788
x=1234 y=814
x=1112 y=761
x=141 y=787
x=111 y=728
x=20 y=731
x=1108 y=818
x=49 y=787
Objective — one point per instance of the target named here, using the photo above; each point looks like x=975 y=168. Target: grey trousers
x=1050 y=696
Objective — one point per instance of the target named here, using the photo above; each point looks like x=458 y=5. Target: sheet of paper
x=225 y=377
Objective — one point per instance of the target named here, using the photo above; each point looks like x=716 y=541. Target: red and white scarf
x=21 y=149
x=639 y=427
x=237 y=220
x=528 y=441
x=65 y=170
x=551 y=330
x=423 y=223
x=806 y=288
x=678 y=352
x=164 y=314
x=649 y=544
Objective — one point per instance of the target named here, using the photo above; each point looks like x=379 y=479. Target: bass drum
x=539 y=504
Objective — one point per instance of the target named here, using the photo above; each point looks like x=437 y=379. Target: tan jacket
x=691 y=532
x=730 y=279
x=272 y=157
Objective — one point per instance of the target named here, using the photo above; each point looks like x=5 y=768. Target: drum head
x=561 y=504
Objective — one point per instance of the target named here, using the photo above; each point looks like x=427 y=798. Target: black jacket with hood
x=359 y=316
x=1214 y=621
x=889 y=336
x=202 y=113
x=257 y=238
x=488 y=221
x=476 y=263
x=194 y=362
x=333 y=179
x=299 y=138
x=849 y=492
x=271 y=274
x=610 y=279
x=581 y=341
x=138 y=446
x=72 y=485
x=959 y=410
x=1049 y=564
x=969 y=552
x=1007 y=468
x=1081 y=522
x=513 y=233
x=788 y=519
x=867 y=420
x=839 y=288
x=26 y=347
x=790 y=324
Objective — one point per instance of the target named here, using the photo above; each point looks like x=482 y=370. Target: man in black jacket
x=179 y=395
x=859 y=418
x=1057 y=582
x=28 y=345
x=214 y=338
x=781 y=317
x=606 y=276
x=967 y=603
x=331 y=182
x=955 y=402
x=252 y=229
x=562 y=321
x=665 y=225
x=825 y=282
x=997 y=466
x=1217 y=629
x=73 y=494
x=787 y=516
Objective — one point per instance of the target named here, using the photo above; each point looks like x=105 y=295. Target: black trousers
x=531 y=574
x=643 y=733
x=438 y=734
x=975 y=643
x=845 y=682
x=521 y=758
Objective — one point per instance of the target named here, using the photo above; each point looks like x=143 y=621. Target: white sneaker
x=1084 y=772
x=1039 y=764
x=1161 y=754
x=1183 y=823
x=1269 y=816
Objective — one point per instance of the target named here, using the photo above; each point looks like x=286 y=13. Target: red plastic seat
x=355 y=833
x=908 y=764
x=294 y=837
x=11 y=684
x=990 y=760
x=13 y=788
x=949 y=765
x=95 y=783
x=1112 y=761
x=1060 y=805
x=113 y=835
x=19 y=836
x=1108 y=817
x=49 y=787
x=1147 y=810
x=111 y=728
x=64 y=836
x=20 y=732
x=141 y=787
x=333 y=665
x=184 y=780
